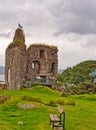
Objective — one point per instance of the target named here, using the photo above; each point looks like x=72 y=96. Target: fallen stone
x=20 y=123
x=27 y=106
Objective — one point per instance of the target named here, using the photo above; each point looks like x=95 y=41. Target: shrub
x=58 y=83
x=71 y=103
x=82 y=91
x=3 y=98
x=30 y=98
x=60 y=102
x=26 y=98
x=0 y=85
x=52 y=103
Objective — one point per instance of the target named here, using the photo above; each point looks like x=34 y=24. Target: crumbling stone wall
x=21 y=64
x=42 y=61
x=15 y=63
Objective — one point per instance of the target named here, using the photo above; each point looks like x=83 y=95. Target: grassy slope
x=82 y=116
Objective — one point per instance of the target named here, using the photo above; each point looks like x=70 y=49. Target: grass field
x=80 y=109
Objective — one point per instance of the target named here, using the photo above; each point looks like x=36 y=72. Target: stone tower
x=15 y=61
x=22 y=65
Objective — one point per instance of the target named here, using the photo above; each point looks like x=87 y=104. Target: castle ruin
x=25 y=64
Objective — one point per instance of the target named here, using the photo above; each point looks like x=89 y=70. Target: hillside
x=29 y=109
x=79 y=73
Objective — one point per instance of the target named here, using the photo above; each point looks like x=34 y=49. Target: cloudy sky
x=68 y=24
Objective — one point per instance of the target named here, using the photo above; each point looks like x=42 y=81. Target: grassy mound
x=79 y=109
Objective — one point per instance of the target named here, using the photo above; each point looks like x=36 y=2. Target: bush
x=52 y=103
x=58 y=83
x=3 y=98
x=82 y=92
x=0 y=85
x=60 y=102
x=71 y=103
x=30 y=98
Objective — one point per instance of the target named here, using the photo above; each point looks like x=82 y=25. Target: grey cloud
x=59 y=17
x=75 y=16
x=85 y=9
x=5 y=34
x=29 y=12
x=74 y=53
x=90 y=42
x=63 y=16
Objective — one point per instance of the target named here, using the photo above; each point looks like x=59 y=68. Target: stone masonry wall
x=21 y=64
x=15 y=63
x=42 y=61
x=15 y=66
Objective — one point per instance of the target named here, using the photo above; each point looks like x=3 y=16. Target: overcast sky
x=68 y=24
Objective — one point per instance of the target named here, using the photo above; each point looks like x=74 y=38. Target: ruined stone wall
x=21 y=64
x=15 y=64
x=42 y=61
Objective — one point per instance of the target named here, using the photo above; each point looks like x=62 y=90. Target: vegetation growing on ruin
x=19 y=41
x=53 y=47
x=16 y=112
x=16 y=43
x=39 y=44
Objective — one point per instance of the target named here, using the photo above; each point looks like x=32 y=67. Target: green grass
x=81 y=116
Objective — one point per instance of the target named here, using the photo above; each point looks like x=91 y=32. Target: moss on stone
x=16 y=43
x=45 y=45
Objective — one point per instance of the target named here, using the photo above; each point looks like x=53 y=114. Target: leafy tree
x=79 y=73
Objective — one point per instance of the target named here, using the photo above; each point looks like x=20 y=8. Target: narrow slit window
x=42 y=53
x=53 y=67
